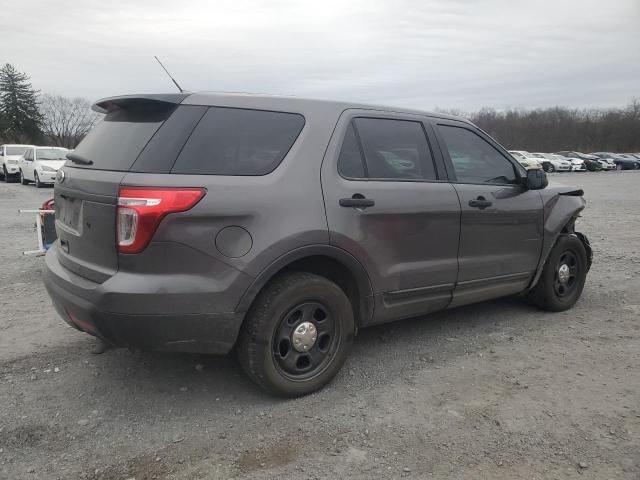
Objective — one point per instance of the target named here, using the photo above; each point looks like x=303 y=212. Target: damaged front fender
x=562 y=206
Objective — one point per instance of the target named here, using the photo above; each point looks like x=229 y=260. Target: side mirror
x=536 y=179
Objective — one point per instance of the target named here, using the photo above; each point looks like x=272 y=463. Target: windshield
x=51 y=154
x=15 y=150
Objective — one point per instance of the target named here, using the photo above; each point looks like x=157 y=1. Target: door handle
x=356 y=201
x=480 y=203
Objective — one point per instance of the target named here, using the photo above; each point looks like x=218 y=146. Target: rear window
x=233 y=141
x=116 y=142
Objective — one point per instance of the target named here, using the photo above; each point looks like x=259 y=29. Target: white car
x=557 y=163
x=607 y=163
x=40 y=164
x=577 y=164
x=525 y=159
x=9 y=156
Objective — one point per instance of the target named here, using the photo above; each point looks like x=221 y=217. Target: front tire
x=7 y=177
x=563 y=276
x=297 y=334
x=551 y=168
x=37 y=181
x=23 y=180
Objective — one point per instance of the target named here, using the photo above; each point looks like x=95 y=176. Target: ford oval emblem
x=60 y=176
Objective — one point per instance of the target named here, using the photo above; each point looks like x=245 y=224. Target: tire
x=23 y=180
x=551 y=293
x=7 y=177
x=551 y=168
x=279 y=311
x=37 y=181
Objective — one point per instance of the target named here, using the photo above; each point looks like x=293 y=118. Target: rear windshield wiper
x=75 y=158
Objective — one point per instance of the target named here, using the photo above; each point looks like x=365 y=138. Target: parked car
x=590 y=161
x=621 y=161
x=281 y=226
x=525 y=159
x=577 y=164
x=607 y=164
x=628 y=156
x=556 y=162
x=9 y=156
x=40 y=164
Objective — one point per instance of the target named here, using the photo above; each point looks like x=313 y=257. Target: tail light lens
x=141 y=209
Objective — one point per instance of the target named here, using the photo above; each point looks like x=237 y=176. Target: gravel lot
x=497 y=390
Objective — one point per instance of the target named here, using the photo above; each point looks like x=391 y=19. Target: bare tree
x=66 y=120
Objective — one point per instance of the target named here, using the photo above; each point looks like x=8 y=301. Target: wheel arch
x=327 y=261
x=560 y=213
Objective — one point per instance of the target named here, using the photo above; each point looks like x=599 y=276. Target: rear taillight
x=141 y=209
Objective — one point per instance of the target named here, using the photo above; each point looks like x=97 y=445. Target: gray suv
x=280 y=226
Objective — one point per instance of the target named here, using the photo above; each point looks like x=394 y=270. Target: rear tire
x=563 y=276
x=269 y=347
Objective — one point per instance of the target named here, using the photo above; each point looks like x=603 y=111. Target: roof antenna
x=172 y=79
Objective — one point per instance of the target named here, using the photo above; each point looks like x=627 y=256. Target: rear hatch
x=86 y=195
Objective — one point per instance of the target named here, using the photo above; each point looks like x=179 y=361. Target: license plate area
x=69 y=213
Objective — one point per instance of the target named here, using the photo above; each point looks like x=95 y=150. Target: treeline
x=558 y=128
x=27 y=116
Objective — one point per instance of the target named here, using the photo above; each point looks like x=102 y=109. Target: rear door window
x=350 y=162
x=395 y=149
x=233 y=141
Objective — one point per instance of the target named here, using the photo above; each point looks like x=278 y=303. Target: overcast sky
x=462 y=54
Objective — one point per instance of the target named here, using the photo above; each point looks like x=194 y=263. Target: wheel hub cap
x=304 y=336
x=563 y=273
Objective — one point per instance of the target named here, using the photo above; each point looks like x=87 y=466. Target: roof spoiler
x=109 y=104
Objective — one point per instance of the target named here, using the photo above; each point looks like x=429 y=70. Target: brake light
x=141 y=209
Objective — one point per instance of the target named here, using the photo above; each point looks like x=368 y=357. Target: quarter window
x=233 y=141
x=474 y=159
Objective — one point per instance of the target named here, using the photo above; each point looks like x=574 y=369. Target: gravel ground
x=497 y=390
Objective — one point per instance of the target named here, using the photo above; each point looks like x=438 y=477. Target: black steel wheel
x=297 y=334
x=563 y=276
x=565 y=280
x=305 y=340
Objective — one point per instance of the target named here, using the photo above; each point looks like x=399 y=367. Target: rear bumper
x=102 y=310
